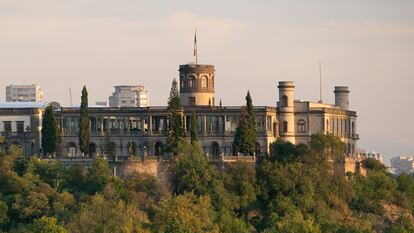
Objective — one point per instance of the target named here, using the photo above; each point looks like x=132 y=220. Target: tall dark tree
x=176 y=131
x=49 y=131
x=84 y=123
x=194 y=129
x=246 y=136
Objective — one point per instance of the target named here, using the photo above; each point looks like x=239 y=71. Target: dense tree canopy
x=294 y=189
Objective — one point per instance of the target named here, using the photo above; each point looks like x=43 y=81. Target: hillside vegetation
x=294 y=189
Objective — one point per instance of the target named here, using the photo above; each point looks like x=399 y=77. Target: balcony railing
x=16 y=135
x=158 y=133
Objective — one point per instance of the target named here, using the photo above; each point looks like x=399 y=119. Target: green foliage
x=109 y=146
x=98 y=175
x=30 y=206
x=293 y=222
x=239 y=180
x=191 y=170
x=185 y=213
x=47 y=225
x=176 y=131
x=327 y=146
x=286 y=152
x=107 y=213
x=294 y=189
x=370 y=191
x=246 y=136
x=144 y=190
x=84 y=122
x=49 y=131
x=3 y=213
x=402 y=225
x=374 y=165
x=405 y=191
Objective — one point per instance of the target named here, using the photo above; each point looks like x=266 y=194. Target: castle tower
x=286 y=111
x=341 y=97
x=197 y=85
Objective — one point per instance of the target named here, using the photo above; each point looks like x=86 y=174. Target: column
x=224 y=123
x=184 y=122
x=150 y=122
x=143 y=124
x=205 y=123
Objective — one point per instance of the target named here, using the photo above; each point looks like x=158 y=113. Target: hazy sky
x=368 y=45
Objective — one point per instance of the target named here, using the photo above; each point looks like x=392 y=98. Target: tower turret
x=286 y=111
x=342 y=97
x=197 y=85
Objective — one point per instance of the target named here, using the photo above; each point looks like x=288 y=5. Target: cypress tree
x=84 y=123
x=49 y=132
x=176 y=131
x=194 y=129
x=246 y=136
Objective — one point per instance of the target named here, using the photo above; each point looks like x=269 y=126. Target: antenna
x=70 y=96
x=320 y=82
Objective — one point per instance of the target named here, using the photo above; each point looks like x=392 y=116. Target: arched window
x=215 y=149
x=159 y=147
x=92 y=149
x=284 y=101
x=301 y=126
x=191 y=81
x=285 y=126
x=204 y=82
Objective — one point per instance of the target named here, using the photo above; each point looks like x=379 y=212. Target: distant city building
x=402 y=164
x=24 y=93
x=129 y=96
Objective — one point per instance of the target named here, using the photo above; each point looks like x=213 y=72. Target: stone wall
x=159 y=169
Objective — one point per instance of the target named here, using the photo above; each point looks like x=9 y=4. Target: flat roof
x=23 y=105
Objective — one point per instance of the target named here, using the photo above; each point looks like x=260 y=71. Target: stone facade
x=142 y=131
x=197 y=85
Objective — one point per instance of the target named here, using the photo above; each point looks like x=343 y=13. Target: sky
x=367 y=45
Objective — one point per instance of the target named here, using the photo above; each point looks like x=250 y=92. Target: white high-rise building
x=402 y=164
x=24 y=93
x=129 y=96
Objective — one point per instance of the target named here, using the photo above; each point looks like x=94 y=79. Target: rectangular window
x=7 y=126
x=192 y=101
x=20 y=126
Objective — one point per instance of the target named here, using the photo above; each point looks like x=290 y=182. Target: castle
x=142 y=131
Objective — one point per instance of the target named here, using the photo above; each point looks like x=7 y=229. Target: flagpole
x=195 y=46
